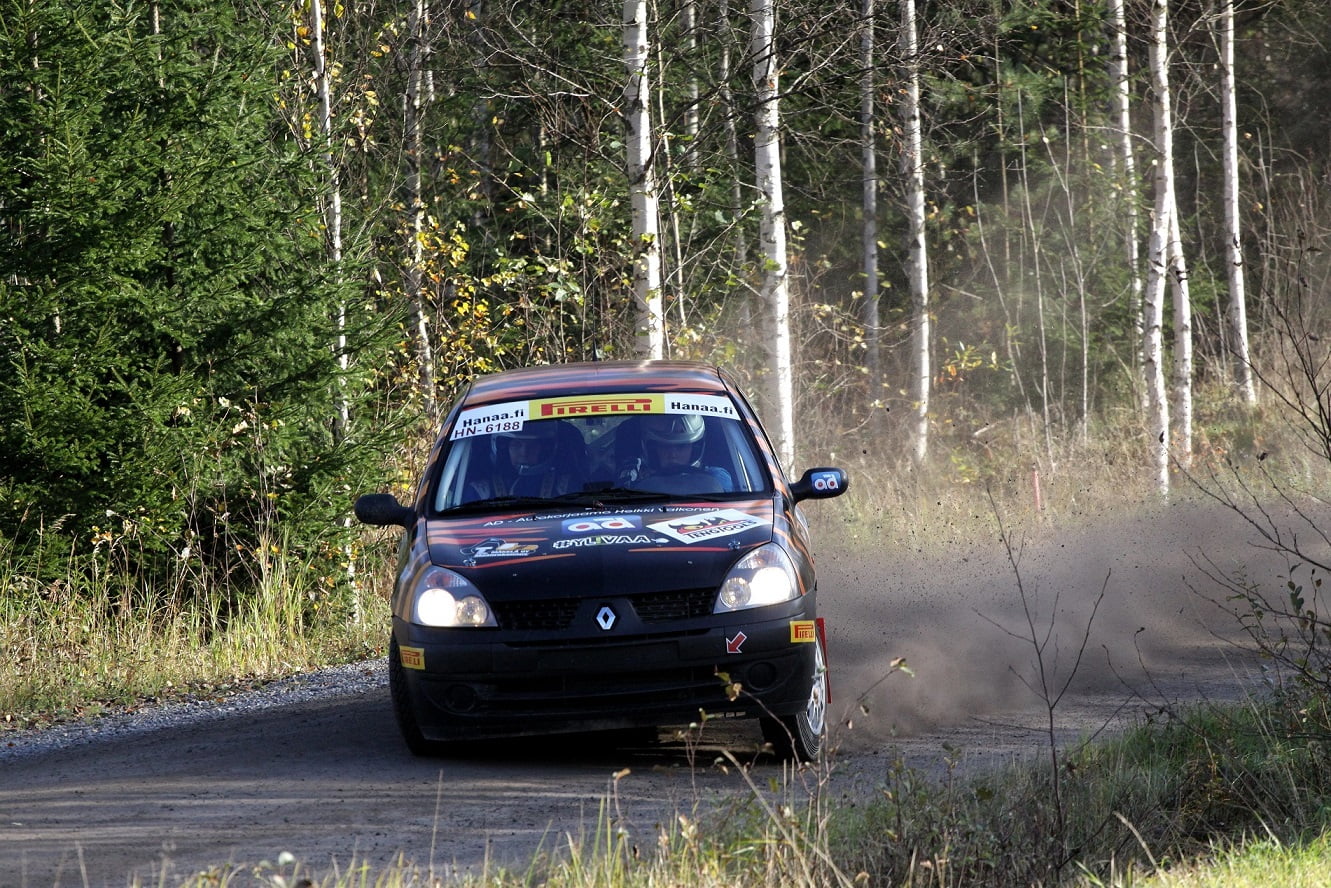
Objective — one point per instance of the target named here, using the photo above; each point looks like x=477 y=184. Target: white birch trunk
x=869 y=185
x=918 y=256
x=333 y=208
x=732 y=152
x=333 y=225
x=772 y=228
x=1182 y=383
x=1238 y=299
x=414 y=282
x=688 y=20
x=650 y=332
x=1122 y=89
x=1158 y=250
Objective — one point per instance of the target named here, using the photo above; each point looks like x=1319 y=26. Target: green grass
x=1257 y=864
x=76 y=648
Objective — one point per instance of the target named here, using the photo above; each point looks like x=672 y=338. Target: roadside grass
x=75 y=648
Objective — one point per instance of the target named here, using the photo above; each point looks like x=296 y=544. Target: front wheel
x=402 y=708
x=803 y=735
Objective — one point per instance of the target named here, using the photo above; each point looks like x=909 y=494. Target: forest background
x=251 y=249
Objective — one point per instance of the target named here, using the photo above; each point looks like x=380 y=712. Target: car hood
x=599 y=552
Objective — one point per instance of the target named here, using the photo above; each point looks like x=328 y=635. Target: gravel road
x=313 y=767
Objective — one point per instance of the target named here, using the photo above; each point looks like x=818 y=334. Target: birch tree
x=332 y=208
x=1158 y=250
x=650 y=329
x=1182 y=382
x=1238 y=307
x=415 y=102
x=1122 y=93
x=869 y=196
x=772 y=227
x=912 y=161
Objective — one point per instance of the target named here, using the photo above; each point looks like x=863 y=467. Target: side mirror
x=820 y=483
x=383 y=510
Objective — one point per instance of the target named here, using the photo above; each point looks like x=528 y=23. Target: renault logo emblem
x=605 y=618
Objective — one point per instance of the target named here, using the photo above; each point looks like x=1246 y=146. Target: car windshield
x=603 y=449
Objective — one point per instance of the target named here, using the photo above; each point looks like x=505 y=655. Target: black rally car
x=600 y=546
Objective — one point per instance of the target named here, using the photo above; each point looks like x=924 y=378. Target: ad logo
x=411 y=658
x=497 y=548
x=607 y=522
x=593 y=405
x=826 y=481
x=803 y=632
x=707 y=525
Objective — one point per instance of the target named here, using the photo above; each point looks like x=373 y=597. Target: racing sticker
x=411 y=658
x=582 y=542
x=497 y=548
x=709 y=405
x=826 y=481
x=803 y=632
x=593 y=405
x=603 y=523
x=510 y=416
x=707 y=525
x=490 y=419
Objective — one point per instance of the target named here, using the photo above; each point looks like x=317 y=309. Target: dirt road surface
x=328 y=780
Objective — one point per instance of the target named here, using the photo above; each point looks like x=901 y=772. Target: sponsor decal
x=604 y=522
x=497 y=548
x=803 y=632
x=637 y=539
x=412 y=658
x=593 y=405
x=489 y=420
x=511 y=415
x=707 y=525
x=710 y=405
x=733 y=645
x=826 y=481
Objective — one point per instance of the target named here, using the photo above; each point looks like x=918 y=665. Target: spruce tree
x=167 y=366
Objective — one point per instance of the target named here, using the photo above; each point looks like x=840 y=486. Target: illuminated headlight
x=445 y=599
x=762 y=577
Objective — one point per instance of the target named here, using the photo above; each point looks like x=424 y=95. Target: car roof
x=597 y=376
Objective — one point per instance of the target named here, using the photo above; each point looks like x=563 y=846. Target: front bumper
x=473 y=684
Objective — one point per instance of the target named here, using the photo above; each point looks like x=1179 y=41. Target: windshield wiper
x=499 y=502
x=603 y=495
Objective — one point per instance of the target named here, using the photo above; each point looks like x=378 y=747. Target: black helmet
x=542 y=432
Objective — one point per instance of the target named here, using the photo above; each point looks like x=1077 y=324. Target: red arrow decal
x=733 y=644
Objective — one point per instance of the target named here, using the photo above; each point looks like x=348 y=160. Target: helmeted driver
x=526 y=463
x=673 y=445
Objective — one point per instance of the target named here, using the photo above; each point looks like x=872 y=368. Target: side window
x=744 y=465
x=462 y=463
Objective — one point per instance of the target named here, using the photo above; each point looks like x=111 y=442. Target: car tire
x=403 y=711
x=802 y=736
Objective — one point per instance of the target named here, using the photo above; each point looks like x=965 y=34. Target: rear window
x=546 y=448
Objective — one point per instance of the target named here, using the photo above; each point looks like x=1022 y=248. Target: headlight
x=762 y=577
x=447 y=599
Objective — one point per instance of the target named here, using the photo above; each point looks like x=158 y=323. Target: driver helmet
x=672 y=430
x=540 y=456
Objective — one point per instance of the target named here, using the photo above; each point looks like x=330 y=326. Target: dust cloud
x=1120 y=604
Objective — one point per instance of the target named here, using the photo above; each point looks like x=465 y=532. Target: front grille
x=545 y=614
x=556 y=614
x=674 y=604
